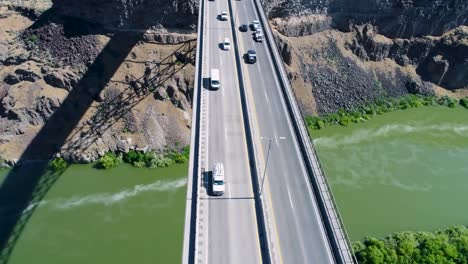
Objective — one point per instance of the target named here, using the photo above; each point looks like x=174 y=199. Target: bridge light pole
x=266 y=164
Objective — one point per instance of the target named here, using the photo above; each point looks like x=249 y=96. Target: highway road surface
x=231 y=226
x=298 y=226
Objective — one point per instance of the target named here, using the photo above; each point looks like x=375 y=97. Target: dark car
x=251 y=56
x=243 y=28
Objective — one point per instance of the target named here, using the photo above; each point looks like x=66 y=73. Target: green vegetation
x=141 y=159
x=366 y=112
x=57 y=164
x=464 y=102
x=448 y=246
x=109 y=160
x=179 y=62
x=34 y=39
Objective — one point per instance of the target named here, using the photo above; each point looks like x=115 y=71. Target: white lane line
x=266 y=96
x=290 y=200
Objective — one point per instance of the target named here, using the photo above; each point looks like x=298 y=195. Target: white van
x=218 y=183
x=226 y=44
x=215 y=82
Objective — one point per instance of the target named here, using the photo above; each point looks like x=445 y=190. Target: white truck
x=215 y=83
x=217 y=182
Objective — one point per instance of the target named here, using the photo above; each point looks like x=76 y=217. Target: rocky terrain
x=82 y=89
x=131 y=14
x=80 y=78
x=340 y=55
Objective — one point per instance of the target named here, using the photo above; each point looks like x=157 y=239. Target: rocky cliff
x=131 y=14
x=394 y=18
x=440 y=60
x=67 y=91
x=341 y=53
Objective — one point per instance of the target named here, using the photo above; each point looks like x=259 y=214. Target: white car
x=258 y=36
x=217 y=182
x=227 y=44
x=255 y=25
x=224 y=16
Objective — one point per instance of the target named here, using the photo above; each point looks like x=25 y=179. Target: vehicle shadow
x=206 y=83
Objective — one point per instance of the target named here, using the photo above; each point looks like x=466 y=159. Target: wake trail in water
x=362 y=135
x=108 y=199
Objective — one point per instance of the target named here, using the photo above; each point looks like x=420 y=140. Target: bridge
x=277 y=206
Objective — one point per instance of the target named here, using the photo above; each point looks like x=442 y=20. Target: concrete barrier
x=193 y=200
x=253 y=161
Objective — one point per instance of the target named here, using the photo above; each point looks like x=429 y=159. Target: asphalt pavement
x=298 y=227
x=231 y=226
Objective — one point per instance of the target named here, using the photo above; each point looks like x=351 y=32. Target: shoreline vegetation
x=443 y=246
x=365 y=112
x=139 y=159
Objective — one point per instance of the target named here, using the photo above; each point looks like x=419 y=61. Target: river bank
x=385 y=105
x=130 y=214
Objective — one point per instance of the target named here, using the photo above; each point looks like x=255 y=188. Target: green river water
x=122 y=215
x=406 y=170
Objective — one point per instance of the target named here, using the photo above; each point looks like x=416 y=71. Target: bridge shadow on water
x=26 y=184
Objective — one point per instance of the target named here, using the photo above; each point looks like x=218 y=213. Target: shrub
x=448 y=246
x=160 y=161
x=109 y=160
x=34 y=39
x=153 y=160
x=344 y=120
x=133 y=156
x=186 y=151
x=446 y=101
x=58 y=164
x=464 y=102
x=176 y=157
x=139 y=164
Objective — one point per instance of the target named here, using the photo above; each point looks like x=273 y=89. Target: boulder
x=11 y=79
x=27 y=74
x=61 y=79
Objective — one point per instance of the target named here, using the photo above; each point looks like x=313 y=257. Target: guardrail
x=192 y=203
x=336 y=231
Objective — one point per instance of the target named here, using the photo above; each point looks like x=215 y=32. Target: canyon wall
x=394 y=18
x=131 y=14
